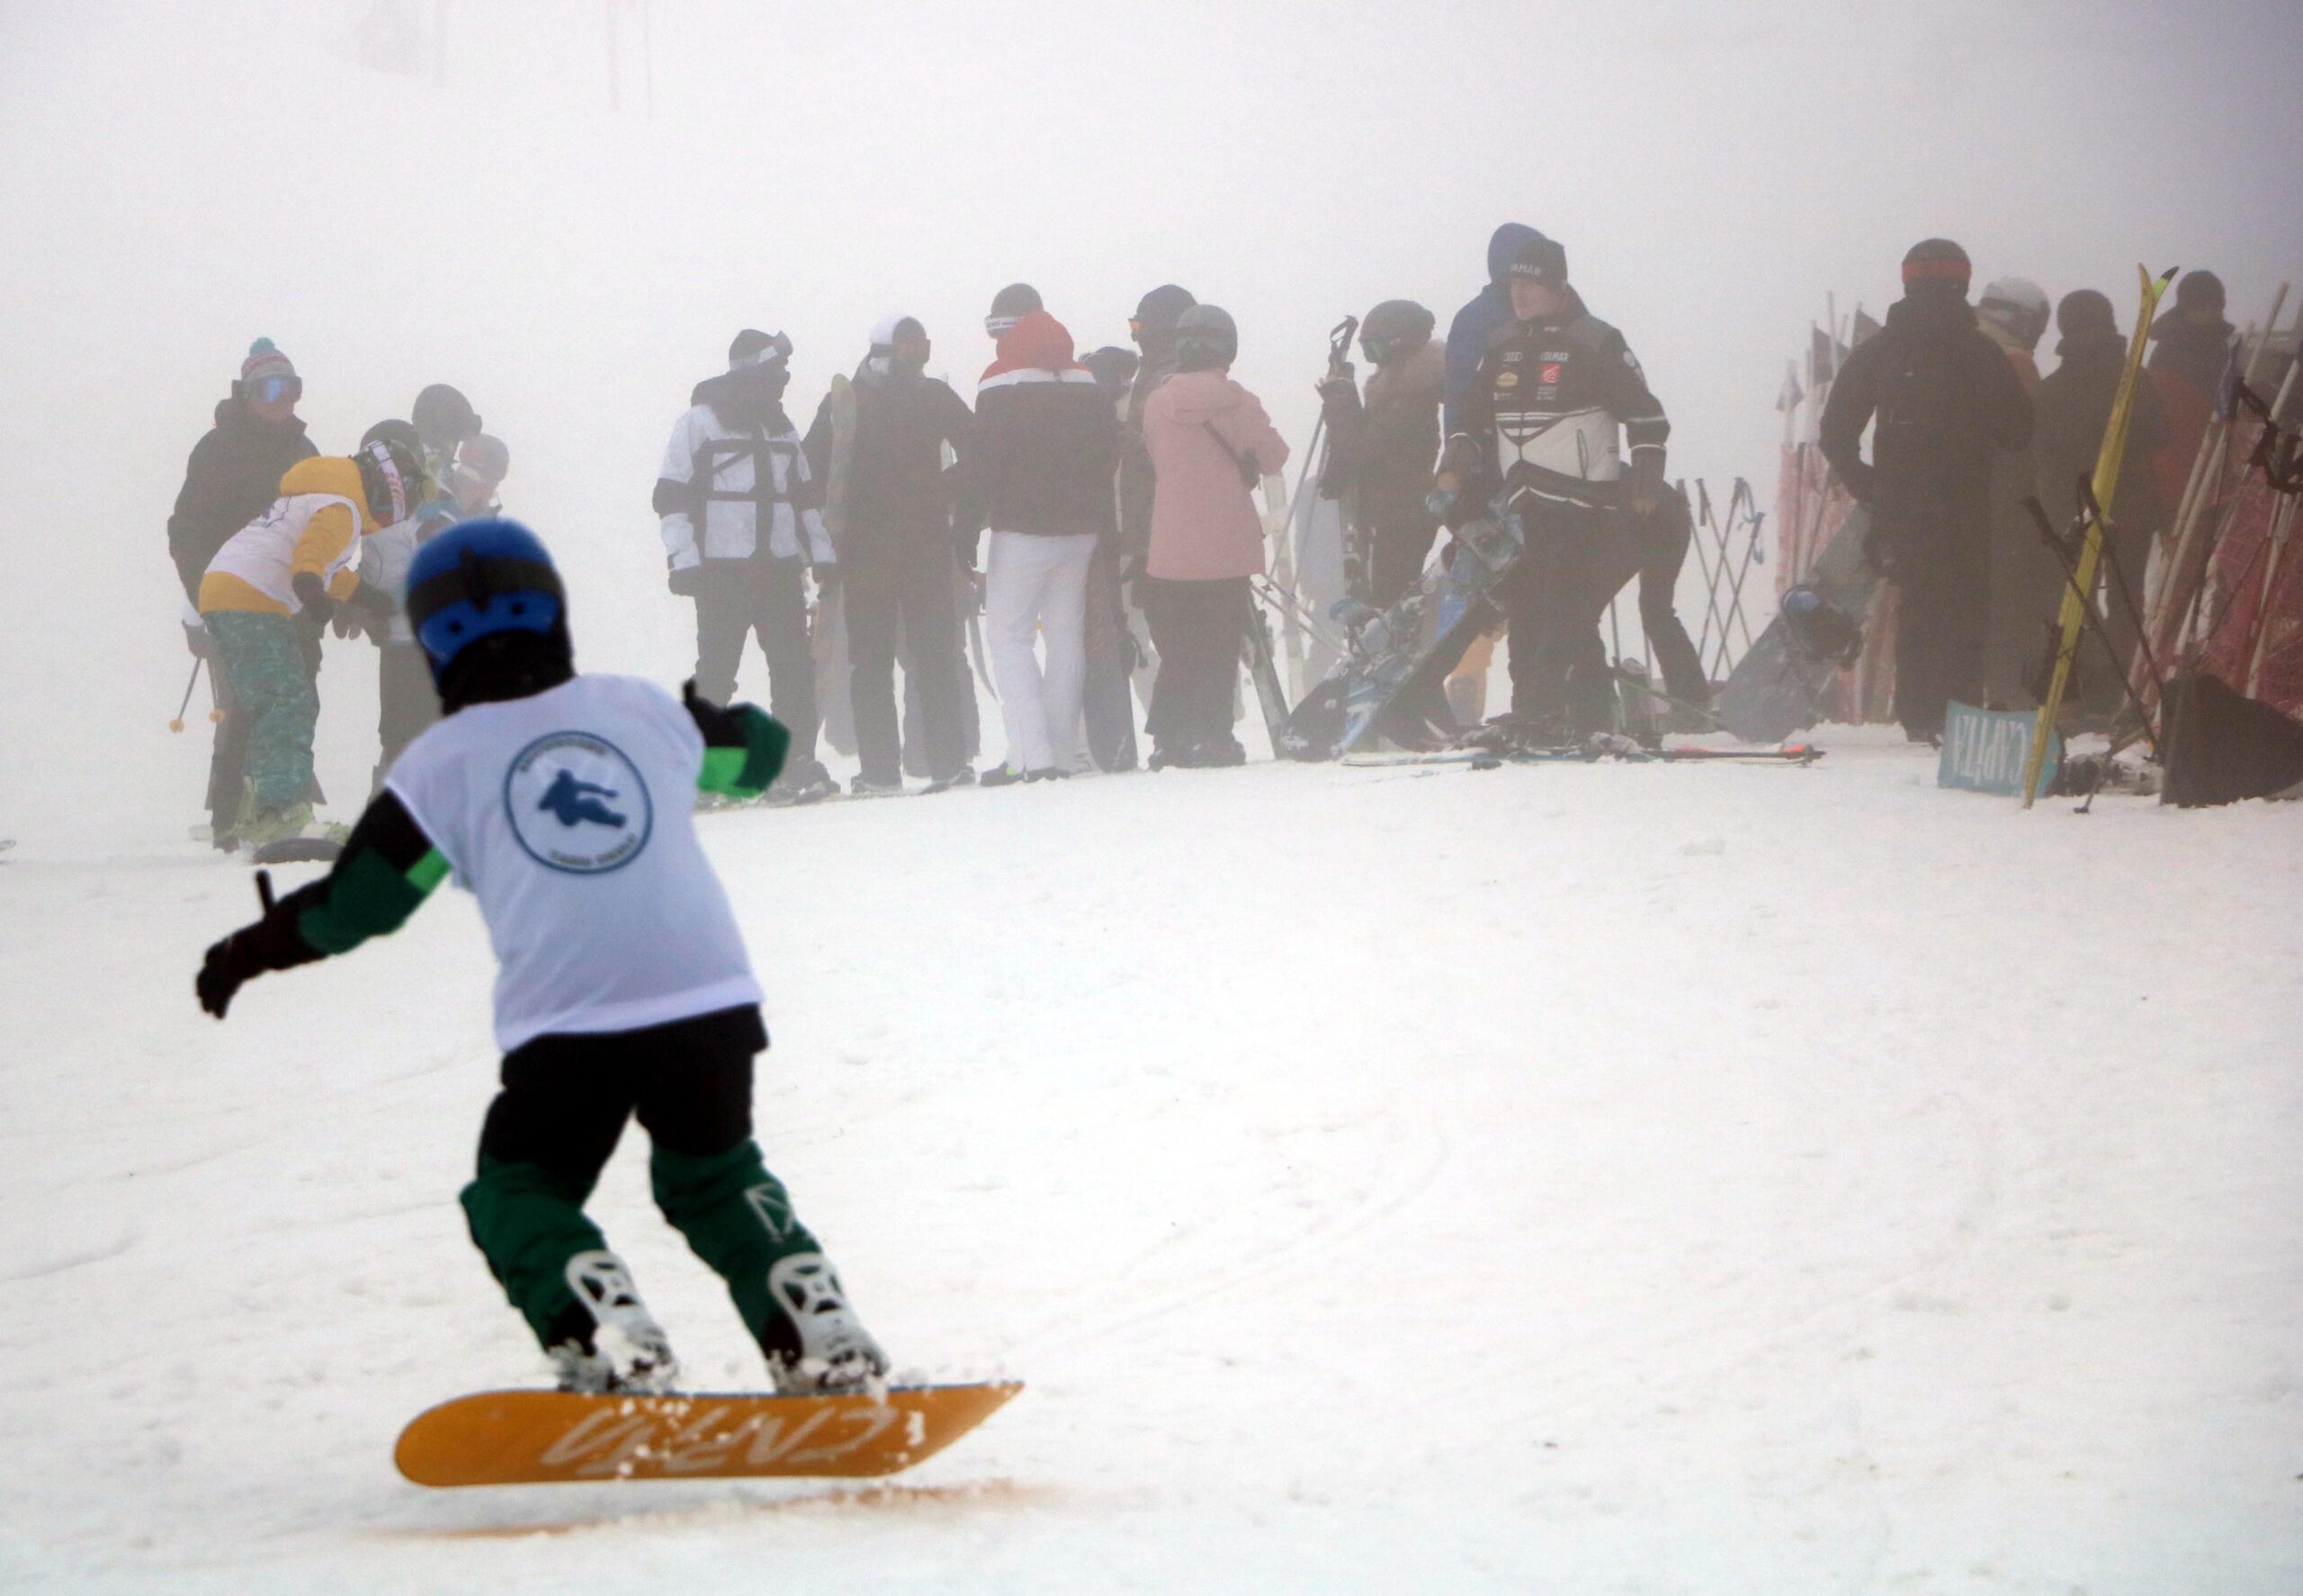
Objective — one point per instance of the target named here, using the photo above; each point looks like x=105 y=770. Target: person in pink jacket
x=1210 y=444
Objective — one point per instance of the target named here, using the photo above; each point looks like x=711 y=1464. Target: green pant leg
x=275 y=691
x=739 y=1219
x=528 y=1222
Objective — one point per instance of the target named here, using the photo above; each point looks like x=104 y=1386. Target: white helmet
x=2018 y=306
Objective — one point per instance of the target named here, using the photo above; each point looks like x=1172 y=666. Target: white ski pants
x=1038 y=586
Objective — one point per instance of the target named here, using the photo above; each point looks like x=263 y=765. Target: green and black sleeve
x=743 y=745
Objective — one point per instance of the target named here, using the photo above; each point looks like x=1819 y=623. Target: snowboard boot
x=861 y=788
x=806 y=781
x=1002 y=776
x=273 y=825
x=814 y=1342
x=609 y=1341
x=1220 y=753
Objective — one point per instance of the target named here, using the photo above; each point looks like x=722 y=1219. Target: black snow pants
x=903 y=592
x=1107 y=706
x=1198 y=628
x=739 y=598
x=1939 y=556
x=1665 y=536
x=1577 y=559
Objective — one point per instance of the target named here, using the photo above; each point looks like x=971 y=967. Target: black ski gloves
x=272 y=943
x=685 y=581
x=312 y=594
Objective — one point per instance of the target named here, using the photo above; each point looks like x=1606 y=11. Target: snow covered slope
x=1587 y=1179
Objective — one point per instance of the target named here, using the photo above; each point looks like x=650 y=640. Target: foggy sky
x=174 y=180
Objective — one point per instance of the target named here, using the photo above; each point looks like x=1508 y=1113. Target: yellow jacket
x=314 y=525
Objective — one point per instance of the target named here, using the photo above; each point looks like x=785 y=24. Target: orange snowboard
x=514 y=1438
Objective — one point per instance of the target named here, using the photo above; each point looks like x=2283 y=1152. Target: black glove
x=272 y=943
x=369 y=610
x=827 y=579
x=195 y=638
x=1339 y=398
x=312 y=594
x=685 y=581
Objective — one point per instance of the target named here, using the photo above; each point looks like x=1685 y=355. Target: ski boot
x=625 y=1349
x=815 y=1344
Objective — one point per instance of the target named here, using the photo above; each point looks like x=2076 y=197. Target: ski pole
x=2120 y=586
x=190 y=682
x=2094 y=623
x=1750 y=558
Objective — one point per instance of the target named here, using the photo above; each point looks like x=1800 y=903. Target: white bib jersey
x=570 y=815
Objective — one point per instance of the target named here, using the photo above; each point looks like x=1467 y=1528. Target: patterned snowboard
x=516 y=1438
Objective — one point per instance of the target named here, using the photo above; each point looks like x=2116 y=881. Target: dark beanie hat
x=1158 y=313
x=1539 y=260
x=1937 y=261
x=2200 y=290
x=2083 y=311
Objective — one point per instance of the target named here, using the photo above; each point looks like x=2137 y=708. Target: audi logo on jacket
x=1555 y=407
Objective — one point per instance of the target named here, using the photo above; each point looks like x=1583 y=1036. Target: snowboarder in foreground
x=566 y=804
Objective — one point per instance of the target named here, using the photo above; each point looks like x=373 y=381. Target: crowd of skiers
x=274 y=542
x=1087 y=515
x=1086 y=504
x=911 y=511
x=1964 y=430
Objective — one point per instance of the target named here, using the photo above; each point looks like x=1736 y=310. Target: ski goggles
x=271 y=391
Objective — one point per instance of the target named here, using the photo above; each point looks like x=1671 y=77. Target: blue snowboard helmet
x=480 y=578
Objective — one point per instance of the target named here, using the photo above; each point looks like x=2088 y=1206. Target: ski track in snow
x=1693 y=1179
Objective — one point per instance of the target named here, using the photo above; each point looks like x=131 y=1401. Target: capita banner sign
x=1984 y=751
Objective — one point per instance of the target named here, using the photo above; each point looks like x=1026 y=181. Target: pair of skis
x=2078 y=596
x=1590 y=752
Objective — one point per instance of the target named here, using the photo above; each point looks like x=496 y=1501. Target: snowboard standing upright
x=1780 y=685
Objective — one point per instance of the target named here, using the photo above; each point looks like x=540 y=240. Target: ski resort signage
x=1984 y=750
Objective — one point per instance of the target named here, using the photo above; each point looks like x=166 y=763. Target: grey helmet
x=1396 y=327
x=2018 y=306
x=1206 y=339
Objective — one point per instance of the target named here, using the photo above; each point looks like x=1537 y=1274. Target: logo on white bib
x=577 y=803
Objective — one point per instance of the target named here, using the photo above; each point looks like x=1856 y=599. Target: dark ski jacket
x=2075 y=407
x=232 y=477
x=1384 y=449
x=1544 y=415
x=1046 y=443
x=1136 y=474
x=899 y=499
x=1946 y=400
x=1475 y=323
